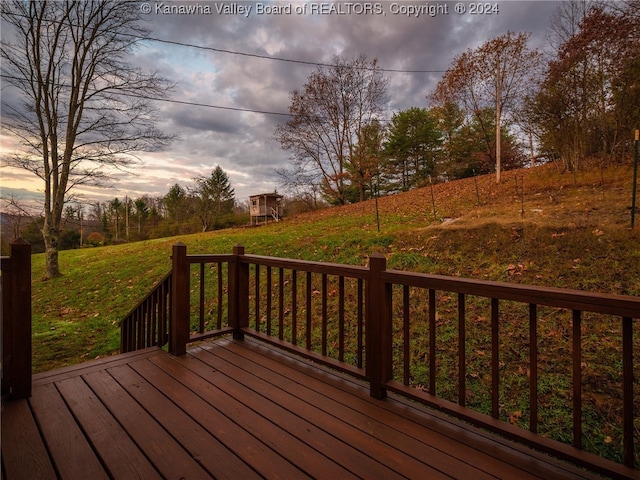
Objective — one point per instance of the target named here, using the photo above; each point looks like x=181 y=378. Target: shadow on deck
x=241 y=410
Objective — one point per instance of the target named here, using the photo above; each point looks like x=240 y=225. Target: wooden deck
x=240 y=410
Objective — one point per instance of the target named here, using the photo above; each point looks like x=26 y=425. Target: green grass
x=571 y=235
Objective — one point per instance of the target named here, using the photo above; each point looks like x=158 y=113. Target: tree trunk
x=50 y=236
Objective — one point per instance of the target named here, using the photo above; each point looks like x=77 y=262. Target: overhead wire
x=246 y=54
x=279 y=59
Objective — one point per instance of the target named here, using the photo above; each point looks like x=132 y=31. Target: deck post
x=238 y=293
x=16 y=323
x=378 y=328
x=179 y=321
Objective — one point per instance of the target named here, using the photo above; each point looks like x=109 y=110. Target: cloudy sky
x=221 y=74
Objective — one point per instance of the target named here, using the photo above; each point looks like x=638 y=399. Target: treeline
x=499 y=106
x=208 y=204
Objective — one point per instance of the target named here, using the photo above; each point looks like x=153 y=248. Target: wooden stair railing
x=148 y=323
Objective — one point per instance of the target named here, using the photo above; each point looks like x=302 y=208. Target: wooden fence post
x=16 y=323
x=180 y=308
x=238 y=293
x=378 y=328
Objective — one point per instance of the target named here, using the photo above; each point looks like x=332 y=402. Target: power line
x=264 y=57
x=279 y=59
x=197 y=104
x=185 y=102
x=170 y=100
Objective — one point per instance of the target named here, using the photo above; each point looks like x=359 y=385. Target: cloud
x=242 y=142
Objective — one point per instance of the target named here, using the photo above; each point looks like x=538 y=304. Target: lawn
x=538 y=227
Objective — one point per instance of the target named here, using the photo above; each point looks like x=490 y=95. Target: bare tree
x=329 y=114
x=17 y=210
x=84 y=109
x=565 y=22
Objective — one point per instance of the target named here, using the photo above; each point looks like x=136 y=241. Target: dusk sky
x=220 y=64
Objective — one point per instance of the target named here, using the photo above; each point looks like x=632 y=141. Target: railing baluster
x=202 y=283
x=406 y=334
x=281 y=304
x=533 y=367
x=269 y=292
x=220 y=296
x=360 y=321
x=341 y=318
x=294 y=307
x=495 y=358
x=141 y=323
x=627 y=389
x=324 y=314
x=257 y=299
x=308 y=322
x=577 y=378
x=462 y=355
x=432 y=341
x=152 y=329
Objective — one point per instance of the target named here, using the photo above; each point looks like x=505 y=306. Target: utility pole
x=498 y=115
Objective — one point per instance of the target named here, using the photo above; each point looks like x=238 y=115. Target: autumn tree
x=365 y=163
x=328 y=117
x=84 y=108
x=588 y=101
x=412 y=146
x=494 y=75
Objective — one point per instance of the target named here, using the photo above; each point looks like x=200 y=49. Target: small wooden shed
x=264 y=207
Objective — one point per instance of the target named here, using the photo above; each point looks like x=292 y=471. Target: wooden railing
x=16 y=321
x=458 y=345
x=147 y=324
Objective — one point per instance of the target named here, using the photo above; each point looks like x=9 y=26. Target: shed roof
x=271 y=194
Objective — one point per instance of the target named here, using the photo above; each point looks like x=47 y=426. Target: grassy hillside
x=538 y=226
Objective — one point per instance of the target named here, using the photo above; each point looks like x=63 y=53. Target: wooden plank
x=71 y=452
x=360 y=438
x=23 y=452
x=468 y=444
x=430 y=451
x=271 y=434
x=263 y=459
x=120 y=455
x=270 y=403
x=93 y=366
x=219 y=461
x=162 y=450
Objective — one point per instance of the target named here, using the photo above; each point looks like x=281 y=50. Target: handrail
x=607 y=304
x=384 y=326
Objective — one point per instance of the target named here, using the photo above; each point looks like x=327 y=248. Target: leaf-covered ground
x=538 y=226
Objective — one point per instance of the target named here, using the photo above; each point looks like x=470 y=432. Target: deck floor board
x=241 y=410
